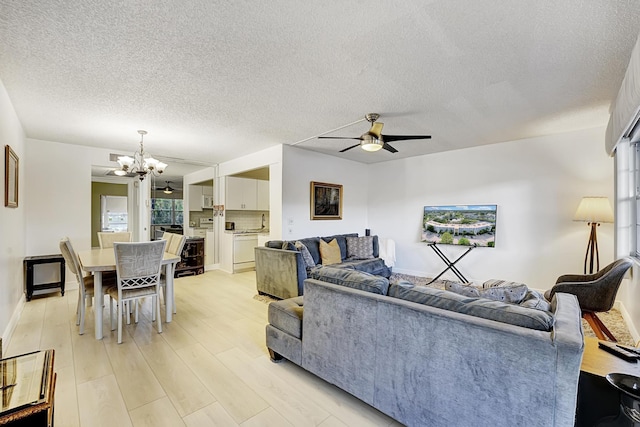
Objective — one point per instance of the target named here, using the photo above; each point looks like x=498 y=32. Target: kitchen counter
x=250 y=231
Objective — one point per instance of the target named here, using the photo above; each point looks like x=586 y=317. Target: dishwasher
x=243 y=251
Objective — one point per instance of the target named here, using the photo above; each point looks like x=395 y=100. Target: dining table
x=97 y=261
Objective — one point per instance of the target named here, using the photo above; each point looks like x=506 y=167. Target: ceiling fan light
x=371 y=143
x=168 y=190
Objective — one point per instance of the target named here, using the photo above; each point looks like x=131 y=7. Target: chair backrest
x=108 y=239
x=610 y=279
x=71 y=259
x=138 y=264
x=175 y=242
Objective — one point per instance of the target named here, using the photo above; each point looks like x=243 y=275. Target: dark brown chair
x=595 y=292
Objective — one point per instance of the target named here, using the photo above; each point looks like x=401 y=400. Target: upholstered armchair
x=595 y=292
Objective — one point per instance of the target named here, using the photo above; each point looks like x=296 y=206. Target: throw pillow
x=459 y=288
x=534 y=299
x=496 y=283
x=288 y=246
x=330 y=252
x=306 y=255
x=360 y=247
x=513 y=294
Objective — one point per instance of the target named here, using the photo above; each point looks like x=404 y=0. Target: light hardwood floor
x=209 y=367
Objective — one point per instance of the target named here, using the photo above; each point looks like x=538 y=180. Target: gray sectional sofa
x=427 y=363
x=281 y=272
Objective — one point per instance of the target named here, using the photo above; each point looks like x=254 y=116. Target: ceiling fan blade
x=376 y=128
x=389 y=148
x=390 y=138
x=338 y=137
x=349 y=148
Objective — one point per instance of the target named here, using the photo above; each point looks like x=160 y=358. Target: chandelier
x=141 y=163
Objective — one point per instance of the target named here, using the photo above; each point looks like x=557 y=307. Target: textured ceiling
x=213 y=80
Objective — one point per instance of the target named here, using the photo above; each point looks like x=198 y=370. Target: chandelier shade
x=141 y=163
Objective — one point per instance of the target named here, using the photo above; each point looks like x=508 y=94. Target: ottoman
x=284 y=331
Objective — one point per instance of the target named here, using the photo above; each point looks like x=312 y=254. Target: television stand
x=450 y=265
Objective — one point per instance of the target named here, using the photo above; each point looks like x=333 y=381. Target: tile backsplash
x=247 y=219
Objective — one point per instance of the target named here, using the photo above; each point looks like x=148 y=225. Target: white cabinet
x=241 y=194
x=263 y=195
x=247 y=194
x=195 y=198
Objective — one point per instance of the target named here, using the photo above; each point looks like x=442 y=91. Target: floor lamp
x=593 y=211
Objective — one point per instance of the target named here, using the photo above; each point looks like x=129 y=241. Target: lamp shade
x=594 y=209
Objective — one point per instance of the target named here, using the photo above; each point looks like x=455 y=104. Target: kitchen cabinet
x=195 y=197
x=241 y=194
x=200 y=196
x=263 y=195
x=247 y=194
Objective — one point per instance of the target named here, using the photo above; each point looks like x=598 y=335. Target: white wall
x=57 y=196
x=12 y=221
x=303 y=166
x=537 y=184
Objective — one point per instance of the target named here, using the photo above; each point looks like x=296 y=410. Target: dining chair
x=137 y=276
x=175 y=244
x=85 y=283
x=107 y=239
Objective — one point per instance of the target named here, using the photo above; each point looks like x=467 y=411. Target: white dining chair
x=175 y=244
x=137 y=276
x=85 y=283
x=107 y=239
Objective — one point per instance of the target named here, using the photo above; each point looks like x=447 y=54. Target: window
x=166 y=212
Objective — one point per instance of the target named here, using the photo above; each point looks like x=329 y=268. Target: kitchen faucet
x=262 y=221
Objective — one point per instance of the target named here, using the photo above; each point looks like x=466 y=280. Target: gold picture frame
x=326 y=201
x=11 y=163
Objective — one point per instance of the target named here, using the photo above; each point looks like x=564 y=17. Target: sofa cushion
x=375 y=266
x=479 y=307
x=352 y=279
x=313 y=245
x=286 y=315
x=513 y=294
x=306 y=255
x=330 y=252
x=360 y=247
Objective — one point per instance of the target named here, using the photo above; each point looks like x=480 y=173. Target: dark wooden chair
x=596 y=292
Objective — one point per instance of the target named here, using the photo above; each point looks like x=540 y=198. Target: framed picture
x=10 y=178
x=326 y=201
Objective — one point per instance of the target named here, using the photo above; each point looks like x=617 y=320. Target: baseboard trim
x=627 y=319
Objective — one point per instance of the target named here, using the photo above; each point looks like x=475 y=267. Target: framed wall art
x=10 y=178
x=326 y=201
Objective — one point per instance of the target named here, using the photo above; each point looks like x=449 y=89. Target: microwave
x=207 y=202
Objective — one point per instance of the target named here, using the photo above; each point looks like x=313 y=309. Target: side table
x=30 y=261
x=28 y=385
x=597 y=398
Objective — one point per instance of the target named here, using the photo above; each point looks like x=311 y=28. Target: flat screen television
x=463 y=225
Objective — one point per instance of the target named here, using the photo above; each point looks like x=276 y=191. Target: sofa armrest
x=279 y=272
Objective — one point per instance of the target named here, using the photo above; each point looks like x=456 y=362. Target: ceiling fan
x=374 y=140
x=166 y=189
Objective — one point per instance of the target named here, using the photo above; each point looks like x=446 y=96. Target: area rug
x=612 y=319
